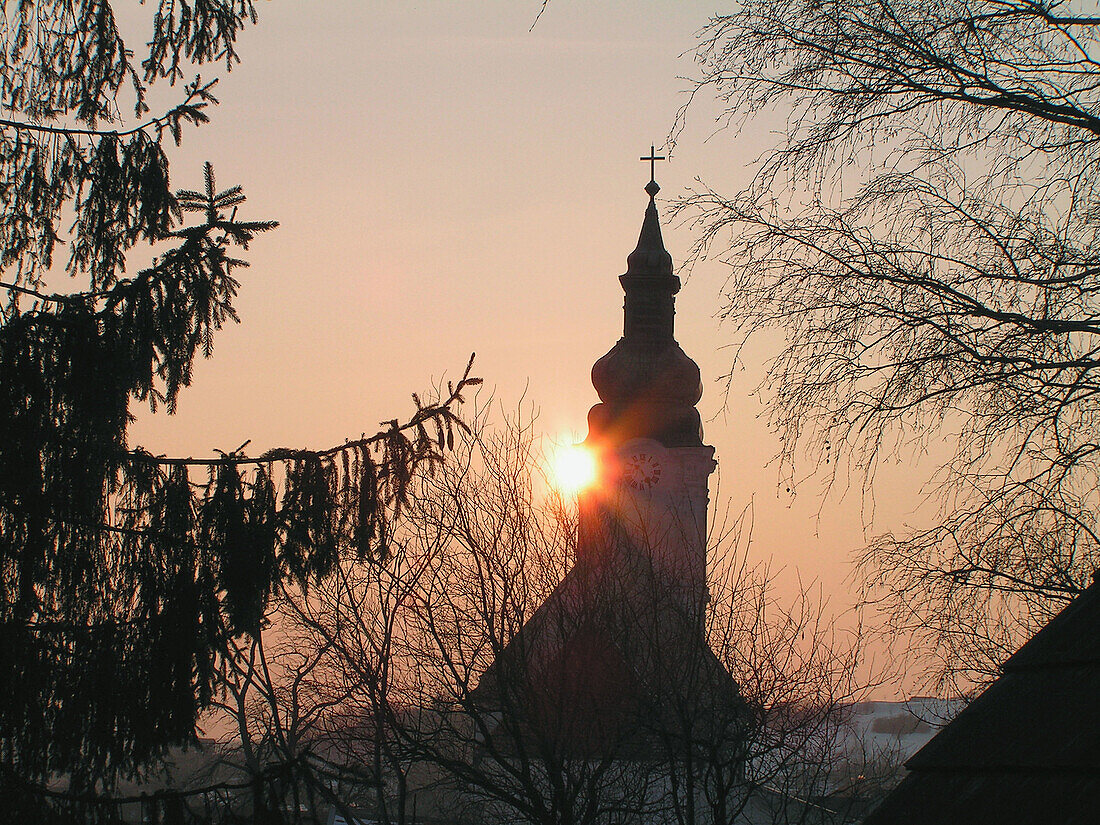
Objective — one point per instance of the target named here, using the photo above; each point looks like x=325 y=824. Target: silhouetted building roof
x=648 y=386
x=610 y=665
x=1027 y=750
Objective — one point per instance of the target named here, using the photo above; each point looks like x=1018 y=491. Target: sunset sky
x=449 y=180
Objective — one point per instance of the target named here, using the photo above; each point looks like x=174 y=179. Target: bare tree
x=925 y=234
x=459 y=668
x=781 y=750
x=278 y=701
x=476 y=557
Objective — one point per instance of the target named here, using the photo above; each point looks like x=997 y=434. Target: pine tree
x=126 y=576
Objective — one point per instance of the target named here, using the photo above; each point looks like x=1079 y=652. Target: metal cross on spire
x=653 y=158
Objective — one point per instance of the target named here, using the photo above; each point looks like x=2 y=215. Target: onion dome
x=647 y=385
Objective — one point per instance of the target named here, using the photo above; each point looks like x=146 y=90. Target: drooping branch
x=439 y=411
x=199 y=95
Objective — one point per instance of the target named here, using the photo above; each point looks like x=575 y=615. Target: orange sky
x=450 y=181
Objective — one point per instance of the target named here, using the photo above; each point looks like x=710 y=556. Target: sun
x=572 y=468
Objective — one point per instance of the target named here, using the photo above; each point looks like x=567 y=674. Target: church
x=604 y=703
x=614 y=665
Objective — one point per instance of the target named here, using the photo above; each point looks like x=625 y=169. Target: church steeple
x=649 y=282
x=647 y=385
x=650 y=256
x=619 y=641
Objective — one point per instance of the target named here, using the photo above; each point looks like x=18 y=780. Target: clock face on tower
x=642 y=470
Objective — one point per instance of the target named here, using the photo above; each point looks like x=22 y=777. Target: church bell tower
x=617 y=649
x=646 y=433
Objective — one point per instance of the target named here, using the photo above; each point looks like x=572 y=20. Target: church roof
x=609 y=664
x=650 y=258
x=648 y=386
x=1027 y=749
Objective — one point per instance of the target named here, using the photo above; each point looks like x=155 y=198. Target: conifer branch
x=22 y=290
x=198 y=97
x=427 y=413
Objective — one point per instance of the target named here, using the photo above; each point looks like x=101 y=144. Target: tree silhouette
x=457 y=670
x=128 y=578
x=933 y=266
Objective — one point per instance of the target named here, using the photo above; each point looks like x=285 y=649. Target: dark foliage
x=125 y=577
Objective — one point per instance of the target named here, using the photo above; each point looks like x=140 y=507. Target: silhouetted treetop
x=125 y=576
x=925 y=234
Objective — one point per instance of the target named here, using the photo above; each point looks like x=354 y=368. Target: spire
x=650 y=256
x=647 y=385
x=649 y=282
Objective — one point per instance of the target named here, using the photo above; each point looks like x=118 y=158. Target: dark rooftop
x=1027 y=750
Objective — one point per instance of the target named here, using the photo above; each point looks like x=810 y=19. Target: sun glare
x=574 y=468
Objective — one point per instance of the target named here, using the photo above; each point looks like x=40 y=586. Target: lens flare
x=573 y=468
